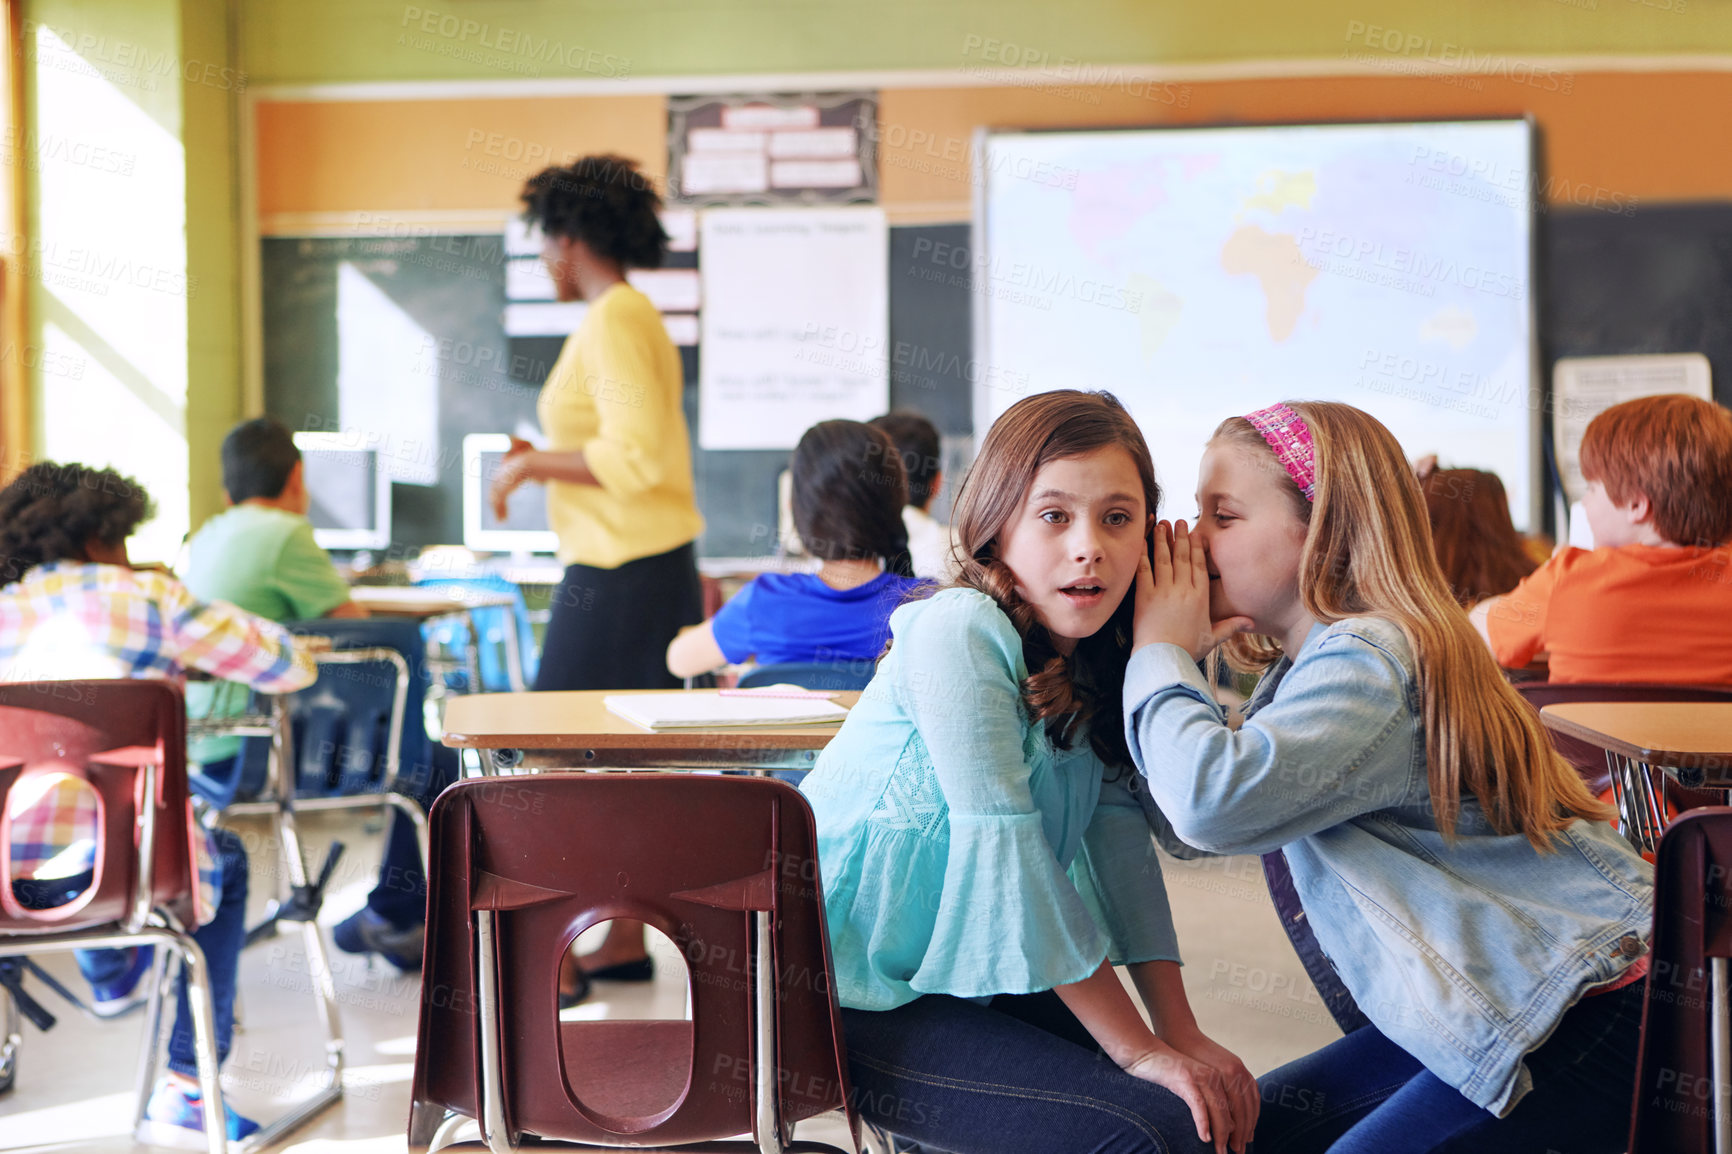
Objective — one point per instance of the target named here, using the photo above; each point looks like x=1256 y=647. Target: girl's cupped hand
x=1173 y=596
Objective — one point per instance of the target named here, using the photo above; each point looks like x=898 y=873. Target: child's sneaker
x=175 y=1117
x=367 y=932
x=114 y=998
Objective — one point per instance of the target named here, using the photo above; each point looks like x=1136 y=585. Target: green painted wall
x=210 y=113
x=308 y=41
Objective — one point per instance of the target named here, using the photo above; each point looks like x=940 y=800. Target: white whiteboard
x=795 y=323
x=1204 y=273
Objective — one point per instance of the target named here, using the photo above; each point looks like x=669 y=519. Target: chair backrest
x=491 y=623
x=115 y=735
x=341 y=723
x=839 y=676
x=1589 y=759
x=543 y=859
x=1692 y=924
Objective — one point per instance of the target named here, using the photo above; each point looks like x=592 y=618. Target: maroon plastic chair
x=726 y=867
x=127 y=740
x=1681 y=1062
x=1590 y=759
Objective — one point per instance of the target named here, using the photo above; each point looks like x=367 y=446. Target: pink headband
x=1287 y=434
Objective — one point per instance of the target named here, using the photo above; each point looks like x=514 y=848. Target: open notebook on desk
x=706 y=709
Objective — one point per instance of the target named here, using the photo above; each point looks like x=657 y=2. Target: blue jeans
x=1018 y=1074
x=1366 y=1095
x=220 y=939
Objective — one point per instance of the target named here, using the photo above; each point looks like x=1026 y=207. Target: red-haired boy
x=1652 y=601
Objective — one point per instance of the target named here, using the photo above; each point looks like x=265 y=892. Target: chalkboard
x=1656 y=281
x=453 y=287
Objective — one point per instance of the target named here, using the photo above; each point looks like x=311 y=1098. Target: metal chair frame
x=275 y=725
x=147 y=924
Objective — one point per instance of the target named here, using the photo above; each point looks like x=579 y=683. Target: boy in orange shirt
x=1652 y=601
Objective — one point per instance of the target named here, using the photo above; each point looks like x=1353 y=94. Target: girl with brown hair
x=984 y=860
x=1478 y=549
x=1464 y=883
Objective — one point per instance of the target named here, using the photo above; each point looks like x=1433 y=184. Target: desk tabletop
x=578 y=720
x=425 y=600
x=1682 y=734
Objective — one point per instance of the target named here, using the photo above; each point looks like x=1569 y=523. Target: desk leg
x=1722 y=1058
x=513 y=656
x=473 y=662
x=1653 y=797
x=1641 y=816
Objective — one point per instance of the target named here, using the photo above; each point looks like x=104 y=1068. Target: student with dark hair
x=259 y=461
x=849 y=489
x=73 y=607
x=617 y=465
x=259 y=553
x=930 y=545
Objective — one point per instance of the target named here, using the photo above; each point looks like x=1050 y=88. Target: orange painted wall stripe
x=1652 y=136
x=1649 y=136
x=440 y=155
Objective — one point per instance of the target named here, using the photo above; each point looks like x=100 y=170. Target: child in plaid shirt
x=73 y=607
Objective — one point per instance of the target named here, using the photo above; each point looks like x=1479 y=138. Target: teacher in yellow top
x=618 y=465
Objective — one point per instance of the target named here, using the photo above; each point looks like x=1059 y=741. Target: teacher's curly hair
x=53 y=512
x=604 y=201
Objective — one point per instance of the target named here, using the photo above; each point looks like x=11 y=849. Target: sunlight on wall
x=387 y=379
x=110 y=259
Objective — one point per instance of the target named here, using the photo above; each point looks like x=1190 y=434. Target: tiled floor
x=74 y=1090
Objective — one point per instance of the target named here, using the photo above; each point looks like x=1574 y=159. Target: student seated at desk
x=73 y=607
x=1652 y=601
x=849 y=489
x=260 y=554
x=931 y=545
x=1477 y=545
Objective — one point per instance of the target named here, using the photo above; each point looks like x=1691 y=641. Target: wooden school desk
x=1691 y=742
x=425 y=602
x=574 y=730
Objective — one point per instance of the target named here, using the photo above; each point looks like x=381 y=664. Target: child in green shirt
x=260 y=554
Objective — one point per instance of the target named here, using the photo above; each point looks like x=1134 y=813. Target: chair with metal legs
x=125 y=740
x=353 y=739
x=1683 y=1102
x=726 y=867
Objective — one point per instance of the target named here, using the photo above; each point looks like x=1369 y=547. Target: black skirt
x=610 y=628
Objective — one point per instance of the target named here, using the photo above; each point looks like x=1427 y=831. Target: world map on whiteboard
x=1200 y=273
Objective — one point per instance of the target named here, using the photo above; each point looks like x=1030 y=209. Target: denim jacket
x=1467 y=954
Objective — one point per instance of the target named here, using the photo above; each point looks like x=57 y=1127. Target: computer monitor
x=351 y=495
x=524 y=529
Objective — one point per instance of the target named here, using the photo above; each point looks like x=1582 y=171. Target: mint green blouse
x=960 y=852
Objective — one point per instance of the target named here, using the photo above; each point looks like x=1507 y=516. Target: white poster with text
x=796 y=323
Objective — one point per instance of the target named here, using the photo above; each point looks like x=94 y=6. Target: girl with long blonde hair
x=984 y=859
x=1456 y=872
